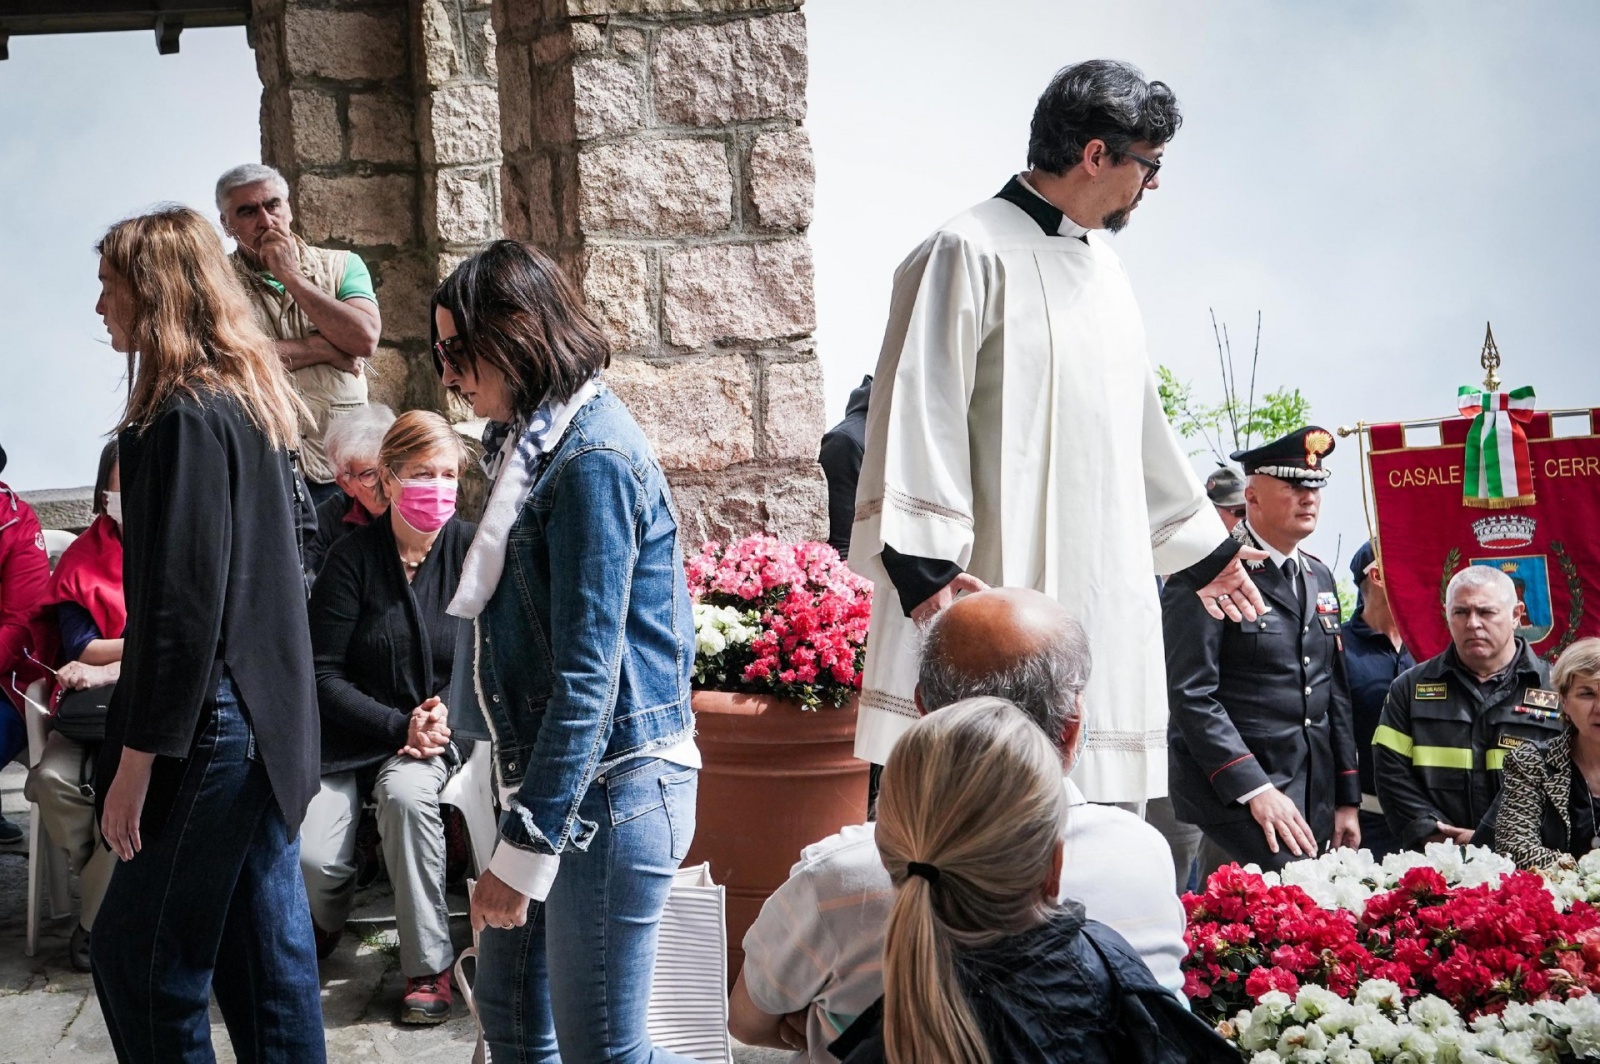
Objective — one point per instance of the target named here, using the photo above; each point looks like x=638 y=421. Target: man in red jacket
x=24 y=575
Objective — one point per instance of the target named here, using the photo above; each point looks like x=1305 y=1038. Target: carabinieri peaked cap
x=1296 y=458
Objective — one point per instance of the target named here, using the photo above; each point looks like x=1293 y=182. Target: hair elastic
x=926 y=871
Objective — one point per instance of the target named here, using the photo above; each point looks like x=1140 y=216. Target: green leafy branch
x=1241 y=420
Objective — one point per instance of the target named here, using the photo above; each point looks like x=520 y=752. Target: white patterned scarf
x=513 y=454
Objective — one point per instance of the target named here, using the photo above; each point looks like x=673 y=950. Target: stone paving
x=48 y=1012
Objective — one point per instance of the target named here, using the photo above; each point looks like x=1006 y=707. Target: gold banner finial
x=1490 y=360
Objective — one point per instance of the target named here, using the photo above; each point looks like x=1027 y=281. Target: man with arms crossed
x=317 y=303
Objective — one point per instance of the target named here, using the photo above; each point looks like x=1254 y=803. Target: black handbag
x=81 y=715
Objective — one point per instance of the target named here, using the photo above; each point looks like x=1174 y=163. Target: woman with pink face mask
x=384 y=648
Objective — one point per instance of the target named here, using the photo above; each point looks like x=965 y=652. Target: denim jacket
x=584 y=651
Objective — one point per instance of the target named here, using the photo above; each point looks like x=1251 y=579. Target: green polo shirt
x=355 y=284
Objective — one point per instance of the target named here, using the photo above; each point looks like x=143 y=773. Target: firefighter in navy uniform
x=1260 y=742
x=1448 y=723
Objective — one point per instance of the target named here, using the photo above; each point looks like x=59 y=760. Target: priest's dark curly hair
x=1102 y=99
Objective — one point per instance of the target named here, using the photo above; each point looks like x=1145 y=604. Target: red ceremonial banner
x=1550 y=548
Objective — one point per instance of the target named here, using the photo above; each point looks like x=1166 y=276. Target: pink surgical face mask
x=426 y=505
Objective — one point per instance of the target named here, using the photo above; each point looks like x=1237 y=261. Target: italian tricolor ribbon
x=1497 y=474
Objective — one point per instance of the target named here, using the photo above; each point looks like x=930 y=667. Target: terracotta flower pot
x=776 y=779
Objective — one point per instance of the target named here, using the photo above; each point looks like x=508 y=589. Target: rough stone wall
x=384 y=117
x=655 y=148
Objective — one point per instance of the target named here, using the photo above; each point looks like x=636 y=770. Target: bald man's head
x=1010 y=643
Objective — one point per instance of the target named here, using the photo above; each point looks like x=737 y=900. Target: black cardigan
x=382 y=646
x=211 y=575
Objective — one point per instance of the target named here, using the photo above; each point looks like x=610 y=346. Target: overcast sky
x=1377 y=178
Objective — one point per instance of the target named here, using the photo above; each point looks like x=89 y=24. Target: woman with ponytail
x=980 y=964
x=211 y=736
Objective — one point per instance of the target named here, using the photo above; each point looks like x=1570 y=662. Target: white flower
x=1381 y=1039
x=718 y=627
x=1385 y=993
x=1432 y=1013
x=1315 y=1002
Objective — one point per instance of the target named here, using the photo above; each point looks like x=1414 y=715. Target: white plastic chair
x=56 y=542
x=471 y=790
x=49 y=886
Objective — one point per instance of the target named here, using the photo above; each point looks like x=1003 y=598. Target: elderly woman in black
x=1546 y=811
x=384 y=649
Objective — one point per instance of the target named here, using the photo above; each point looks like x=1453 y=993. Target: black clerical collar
x=1045 y=214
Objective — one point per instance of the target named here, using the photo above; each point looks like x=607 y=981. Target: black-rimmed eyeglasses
x=1154 y=165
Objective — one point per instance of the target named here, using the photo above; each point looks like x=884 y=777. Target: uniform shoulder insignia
x=1432 y=691
x=38 y=540
x=1541 y=699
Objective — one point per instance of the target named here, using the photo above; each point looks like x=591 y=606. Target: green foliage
x=1238 y=422
x=1277 y=413
x=1347 y=599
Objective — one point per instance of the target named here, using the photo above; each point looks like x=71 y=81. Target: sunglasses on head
x=442 y=357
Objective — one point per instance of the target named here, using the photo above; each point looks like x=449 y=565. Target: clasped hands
x=427 y=733
x=78 y=676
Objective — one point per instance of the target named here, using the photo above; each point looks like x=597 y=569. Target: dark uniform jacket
x=1443 y=739
x=840 y=457
x=1255 y=702
x=1371 y=662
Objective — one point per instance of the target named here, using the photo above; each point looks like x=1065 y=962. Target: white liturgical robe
x=1015 y=429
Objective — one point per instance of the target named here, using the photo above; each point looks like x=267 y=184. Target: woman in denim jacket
x=583 y=645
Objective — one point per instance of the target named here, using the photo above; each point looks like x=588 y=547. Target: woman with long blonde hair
x=981 y=965
x=211 y=739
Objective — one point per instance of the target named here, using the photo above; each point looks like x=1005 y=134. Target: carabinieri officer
x=1448 y=724
x=1260 y=741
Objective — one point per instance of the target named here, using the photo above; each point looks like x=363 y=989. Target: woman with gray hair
x=352 y=444
x=1546 y=811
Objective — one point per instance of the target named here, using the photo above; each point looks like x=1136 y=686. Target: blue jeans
x=214 y=901
x=577 y=974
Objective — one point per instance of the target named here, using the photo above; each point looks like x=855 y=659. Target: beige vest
x=328 y=392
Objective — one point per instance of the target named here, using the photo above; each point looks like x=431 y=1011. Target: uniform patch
x=1330 y=623
x=1541 y=699
x=1511 y=742
x=38 y=540
x=1327 y=602
x=1432 y=692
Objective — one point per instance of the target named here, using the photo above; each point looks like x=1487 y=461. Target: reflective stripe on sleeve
x=1395 y=740
x=1442 y=757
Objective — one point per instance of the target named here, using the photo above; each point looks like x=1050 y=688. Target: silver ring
x=1222 y=596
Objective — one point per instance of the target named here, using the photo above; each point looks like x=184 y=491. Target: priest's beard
x=1118 y=219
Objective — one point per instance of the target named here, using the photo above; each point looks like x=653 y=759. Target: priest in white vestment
x=1016 y=437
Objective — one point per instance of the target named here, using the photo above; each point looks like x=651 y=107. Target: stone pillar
x=382 y=114
x=655 y=148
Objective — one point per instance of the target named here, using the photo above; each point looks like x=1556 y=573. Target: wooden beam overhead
x=168 y=18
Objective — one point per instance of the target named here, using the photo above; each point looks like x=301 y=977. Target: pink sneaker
x=427 y=999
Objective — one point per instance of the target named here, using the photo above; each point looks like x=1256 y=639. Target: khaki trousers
x=58 y=784
x=411 y=831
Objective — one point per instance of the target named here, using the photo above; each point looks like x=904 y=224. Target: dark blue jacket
x=1071 y=991
x=585 y=649
x=1371 y=664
